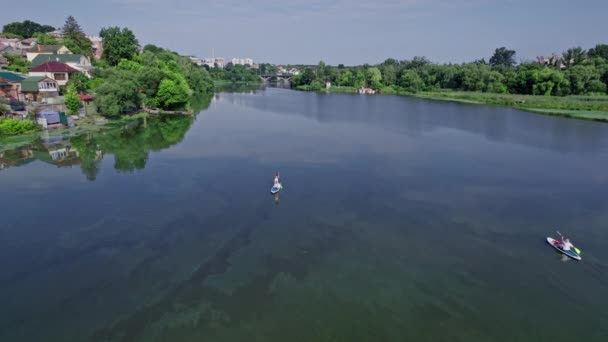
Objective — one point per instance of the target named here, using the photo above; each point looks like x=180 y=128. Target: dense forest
x=575 y=72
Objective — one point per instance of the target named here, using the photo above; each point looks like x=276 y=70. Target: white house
x=59 y=72
x=47 y=49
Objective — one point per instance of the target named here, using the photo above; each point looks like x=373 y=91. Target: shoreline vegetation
x=593 y=108
x=573 y=85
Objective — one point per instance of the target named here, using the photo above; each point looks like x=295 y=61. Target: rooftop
x=47 y=48
x=31 y=83
x=64 y=58
x=53 y=67
x=11 y=76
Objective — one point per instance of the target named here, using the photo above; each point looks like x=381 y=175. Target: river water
x=400 y=220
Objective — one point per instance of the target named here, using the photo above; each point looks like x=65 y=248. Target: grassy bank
x=580 y=107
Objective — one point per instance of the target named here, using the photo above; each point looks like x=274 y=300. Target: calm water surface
x=400 y=220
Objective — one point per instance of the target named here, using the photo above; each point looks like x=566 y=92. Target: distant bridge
x=276 y=77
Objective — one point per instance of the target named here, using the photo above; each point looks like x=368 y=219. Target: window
x=47 y=85
x=60 y=77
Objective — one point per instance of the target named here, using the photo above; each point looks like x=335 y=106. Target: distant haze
x=339 y=31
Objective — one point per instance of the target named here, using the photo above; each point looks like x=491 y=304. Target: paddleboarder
x=566 y=245
x=276 y=178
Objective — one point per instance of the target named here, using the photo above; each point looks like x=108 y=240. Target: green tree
x=16 y=63
x=72 y=101
x=316 y=85
x=585 y=79
x=359 y=79
x=471 y=77
x=321 y=71
x=172 y=94
x=126 y=64
x=45 y=39
x=305 y=77
x=80 y=81
x=10 y=35
x=374 y=77
x=75 y=39
x=548 y=81
x=118 y=44
x=149 y=80
x=418 y=62
x=347 y=79
x=600 y=50
x=411 y=81
x=494 y=82
x=71 y=28
x=503 y=57
x=26 y=29
x=574 y=56
x=83 y=46
x=118 y=94
x=389 y=74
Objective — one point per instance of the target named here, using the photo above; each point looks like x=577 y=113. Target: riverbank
x=577 y=107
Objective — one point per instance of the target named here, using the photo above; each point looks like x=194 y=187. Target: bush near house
x=9 y=127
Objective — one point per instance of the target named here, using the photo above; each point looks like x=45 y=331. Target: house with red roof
x=60 y=72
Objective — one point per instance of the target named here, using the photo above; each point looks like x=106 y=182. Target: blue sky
x=339 y=31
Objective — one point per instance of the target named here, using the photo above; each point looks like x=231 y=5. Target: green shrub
x=9 y=127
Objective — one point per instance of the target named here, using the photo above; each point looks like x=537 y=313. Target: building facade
x=242 y=61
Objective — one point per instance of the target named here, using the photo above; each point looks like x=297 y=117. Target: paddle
x=578 y=251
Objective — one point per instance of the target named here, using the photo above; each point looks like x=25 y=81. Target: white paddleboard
x=558 y=245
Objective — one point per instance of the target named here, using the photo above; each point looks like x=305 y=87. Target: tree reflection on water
x=129 y=141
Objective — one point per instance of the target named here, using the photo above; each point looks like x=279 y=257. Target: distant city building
x=196 y=60
x=242 y=61
x=554 y=60
x=281 y=70
x=211 y=62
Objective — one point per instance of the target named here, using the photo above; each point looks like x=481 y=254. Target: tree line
x=234 y=73
x=575 y=72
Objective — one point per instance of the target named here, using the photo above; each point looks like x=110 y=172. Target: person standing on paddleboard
x=276 y=178
x=566 y=245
